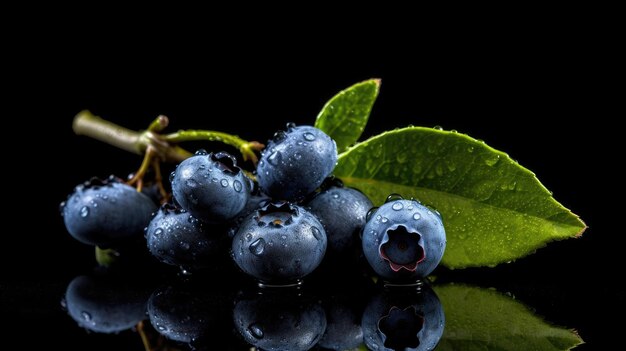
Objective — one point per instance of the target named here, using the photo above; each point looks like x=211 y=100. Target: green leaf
x=494 y=210
x=344 y=116
x=482 y=319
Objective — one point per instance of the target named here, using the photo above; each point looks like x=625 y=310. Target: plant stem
x=85 y=123
x=247 y=148
x=163 y=146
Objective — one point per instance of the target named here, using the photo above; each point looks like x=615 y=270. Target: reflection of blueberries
x=105 y=212
x=104 y=305
x=343 y=328
x=280 y=319
x=279 y=243
x=403 y=318
x=186 y=313
x=403 y=240
x=342 y=212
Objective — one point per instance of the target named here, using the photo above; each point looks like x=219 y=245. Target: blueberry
x=343 y=326
x=279 y=243
x=403 y=240
x=342 y=211
x=188 y=312
x=296 y=162
x=105 y=212
x=403 y=318
x=176 y=237
x=256 y=201
x=210 y=187
x=105 y=305
x=279 y=319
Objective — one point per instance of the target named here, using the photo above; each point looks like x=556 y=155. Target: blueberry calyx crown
x=276 y=214
x=225 y=162
x=400 y=328
x=402 y=248
x=92 y=183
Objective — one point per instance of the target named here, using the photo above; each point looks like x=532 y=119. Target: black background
x=546 y=102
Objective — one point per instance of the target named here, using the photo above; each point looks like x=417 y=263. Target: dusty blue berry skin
x=403 y=320
x=104 y=213
x=280 y=320
x=177 y=238
x=210 y=186
x=342 y=211
x=105 y=305
x=279 y=244
x=296 y=162
x=403 y=240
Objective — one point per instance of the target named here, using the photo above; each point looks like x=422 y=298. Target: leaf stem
x=247 y=148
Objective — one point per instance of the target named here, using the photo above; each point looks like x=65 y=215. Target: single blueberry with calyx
x=342 y=211
x=296 y=162
x=106 y=212
x=403 y=240
x=279 y=244
x=178 y=238
x=210 y=186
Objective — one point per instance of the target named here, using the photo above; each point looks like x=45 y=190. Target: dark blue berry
x=403 y=318
x=342 y=211
x=176 y=237
x=343 y=326
x=404 y=240
x=105 y=212
x=105 y=305
x=187 y=313
x=296 y=163
x=211 y=187
x=280 y=243
x=280 y=319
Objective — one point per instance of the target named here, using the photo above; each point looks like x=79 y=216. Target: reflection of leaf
x=494 y=210
x=344 y=116
x=482 y=319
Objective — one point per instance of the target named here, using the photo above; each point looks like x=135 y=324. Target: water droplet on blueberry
x=86 y=316
x=257 y=247
x=84 y=211
x=275 y=158
x=256 y=331
x=394 y=197
x=308 y=136
x=316 y=233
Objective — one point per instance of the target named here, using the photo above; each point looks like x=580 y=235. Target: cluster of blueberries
x=279 y=227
